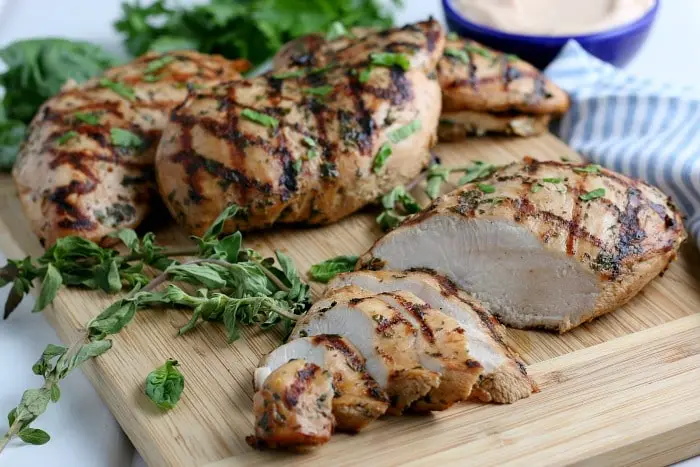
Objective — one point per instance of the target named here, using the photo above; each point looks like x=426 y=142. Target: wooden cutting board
x=621 y=390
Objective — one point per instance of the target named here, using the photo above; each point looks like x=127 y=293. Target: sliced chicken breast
x=504 y=379
x=443 y=348
x=293 y=407
x=308 y=145
x=87 y=166
x=542 y=244
x=382 y=335
x=358 y=398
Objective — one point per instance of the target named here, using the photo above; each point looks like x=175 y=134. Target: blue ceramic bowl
x=617 y=46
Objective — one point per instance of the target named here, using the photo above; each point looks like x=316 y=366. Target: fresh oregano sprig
x=238 y=286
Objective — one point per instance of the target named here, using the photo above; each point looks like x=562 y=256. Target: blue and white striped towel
x=633 y=125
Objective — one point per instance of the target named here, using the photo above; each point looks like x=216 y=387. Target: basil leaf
x=49 y=288
x=119 y=88
x=405 y=131
x=328 y=269
x=591 y=195
x=34 y=436
x=125 y=138
x=380 y=159
x=261 y=118
x=165 y=384
x=390 y=59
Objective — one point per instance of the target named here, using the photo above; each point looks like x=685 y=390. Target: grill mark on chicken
x=77 y=220
x=418 y=312
x=364 y=137
x=302 y=381
x=334 y=341
x=383 y=324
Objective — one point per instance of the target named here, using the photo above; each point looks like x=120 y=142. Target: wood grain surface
x=622 y=389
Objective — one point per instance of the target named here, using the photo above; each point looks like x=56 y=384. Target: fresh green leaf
x=159 y=63
x=476 y=172
x=112 y=319
x=89 y=118
x=328 y=269
x=119 y=88
x=591 y=195
x=72 y=360
x=589 y=169
x=390 y=59
x=202 y=274
x=460 y=55
x=125 y=138
x=43 y=365
x=11 y=138
x=11 y=416
x=128 y=237
x=165 y=384
x=67 y=136
x=486 y=188
x=34 y=436
x=33 y=404
x=400 y=197
x=229 y=247
x=437 y=175
x=311 y=154
x=320 y=91
x=336 y=30
x=310 y=142
x=536 y=187
x=382 y=156
x=405 y=131
x=261 y=118
x=552 y=180
x=49 y=288
x=55 y=393
x=479 y=50
x=389 y=219
x=170 y=44
x=364 y=75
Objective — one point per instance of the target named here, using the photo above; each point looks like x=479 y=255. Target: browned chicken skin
x=484 y=90
x=312 y=145
x=293 y=408
x=87 y=166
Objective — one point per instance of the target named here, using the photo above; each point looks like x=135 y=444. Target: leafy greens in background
x=251 y=29
x=36 y=70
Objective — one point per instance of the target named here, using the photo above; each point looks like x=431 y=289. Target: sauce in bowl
x=553 y=17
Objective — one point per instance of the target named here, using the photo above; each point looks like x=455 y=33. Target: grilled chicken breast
x=293 y=407
x=484 y=91
x=358 y=399
x=504 y=379
x=87 y=166
x=542 y=244
x=308 y=146
x=443 y=348
x=383 y=336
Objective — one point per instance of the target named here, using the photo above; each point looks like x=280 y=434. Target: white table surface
x=84 y=434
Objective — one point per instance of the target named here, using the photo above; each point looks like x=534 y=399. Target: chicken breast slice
x=504 y=378
x=87 y=166
x=383 y=336
x=310 y=146
x=293 y=407
x=444 y=349
x=358 y=398
x=542 y=244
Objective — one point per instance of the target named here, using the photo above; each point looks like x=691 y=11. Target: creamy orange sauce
x=553 y=17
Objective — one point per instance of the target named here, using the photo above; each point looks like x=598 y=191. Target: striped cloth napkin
x=633 y=125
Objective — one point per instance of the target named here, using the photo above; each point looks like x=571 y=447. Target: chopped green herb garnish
x=390 y=59
x=364 y=75
x=89 y=118
x=261 y=118
x=486 y=188
x=590 y=169
x=67 y=136
x=297 y=165
x=289 y=74
x=461 y=55
x=405 y=131
x=151 y=78
x=119 y=88
x=536 y=187
x=329 y=170
x=453 y=36
x=310 y=142
x=597 y=193
x=476 y=172
x=478 y=50
x=125 y=138
x=552 y=180
x=319 y=91
x=512 y=58
x=381 y=157
x=311 y=154
x=157 y=64
x=336 y=30
x=328 y=269
x=564 y=159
